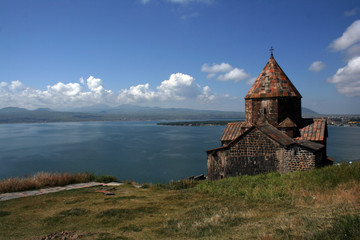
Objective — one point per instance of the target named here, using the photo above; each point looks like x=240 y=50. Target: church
x=274 y=136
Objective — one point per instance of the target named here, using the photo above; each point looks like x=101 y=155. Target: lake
x=139 y=151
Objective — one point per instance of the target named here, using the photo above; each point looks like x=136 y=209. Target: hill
x=120 y=113
x=318 y=204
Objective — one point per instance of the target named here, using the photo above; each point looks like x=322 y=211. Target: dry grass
x=208 y=210
x=41 y=180
x=348 y=193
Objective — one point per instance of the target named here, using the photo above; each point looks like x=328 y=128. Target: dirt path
x=8 y=196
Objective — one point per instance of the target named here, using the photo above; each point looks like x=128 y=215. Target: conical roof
x=272 y=82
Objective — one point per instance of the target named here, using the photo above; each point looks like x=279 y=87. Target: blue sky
x=201 y=54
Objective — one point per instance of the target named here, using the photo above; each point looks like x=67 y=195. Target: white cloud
x=179 y=87
x=207 y=96
x=234 y=75
x=348 y=38
x=317 y=66
x=226 y=72
x=16 y=86
x=347 y=79
x=139 y=93
x=215 y=68
x=70 y=89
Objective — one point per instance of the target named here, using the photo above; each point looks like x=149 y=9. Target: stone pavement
x=8 y=196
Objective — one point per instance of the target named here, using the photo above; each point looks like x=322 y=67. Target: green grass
x=276 y=186
x=344 y=227
x=301 y=205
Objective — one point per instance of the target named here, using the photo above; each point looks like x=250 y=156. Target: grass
x=301 y=205
x=44 y=180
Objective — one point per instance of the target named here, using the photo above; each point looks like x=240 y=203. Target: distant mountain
x=125 y=112
x=44 y=110
x=121 y=113
x=13 y=110
x=306 y=112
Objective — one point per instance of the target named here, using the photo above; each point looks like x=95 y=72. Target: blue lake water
x=140 y=151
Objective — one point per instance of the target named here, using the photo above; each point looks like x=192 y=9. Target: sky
x=199 y=54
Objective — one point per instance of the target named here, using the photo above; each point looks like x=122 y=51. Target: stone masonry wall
x=254 y=153
x=273 y=110
x=216 y=162
x=261 y=110
x=299 y=158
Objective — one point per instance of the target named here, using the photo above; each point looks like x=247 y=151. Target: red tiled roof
x=272 y=82
x=315 y=131
x=231 y=131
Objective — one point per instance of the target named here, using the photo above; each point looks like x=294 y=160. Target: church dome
x=272 y=83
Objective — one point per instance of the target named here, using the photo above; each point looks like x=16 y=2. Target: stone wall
x=298 y=158
x=272 y=110
x=256 y=153
x=216 y=162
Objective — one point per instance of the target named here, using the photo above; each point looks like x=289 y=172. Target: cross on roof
x=271 y=50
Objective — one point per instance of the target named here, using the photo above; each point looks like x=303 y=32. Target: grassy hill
x=318 y=204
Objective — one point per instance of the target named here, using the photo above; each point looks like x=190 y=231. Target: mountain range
x=120 y=113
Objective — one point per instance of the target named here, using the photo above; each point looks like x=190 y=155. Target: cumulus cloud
x=226 y=72
x=234 y=75
x=16 y=86
x=178 y=87
x=215 y=68
x=317 y=66
x=347 y=79
x=348 y=38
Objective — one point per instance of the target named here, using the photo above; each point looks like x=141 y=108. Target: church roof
x=310 y=130
x=232 y=130
x=313 y=130
x=272 y=82
x=270 y=131
x=276 y=134
x=287 y=123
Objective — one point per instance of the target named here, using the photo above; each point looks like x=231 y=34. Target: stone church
x=274 y=136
